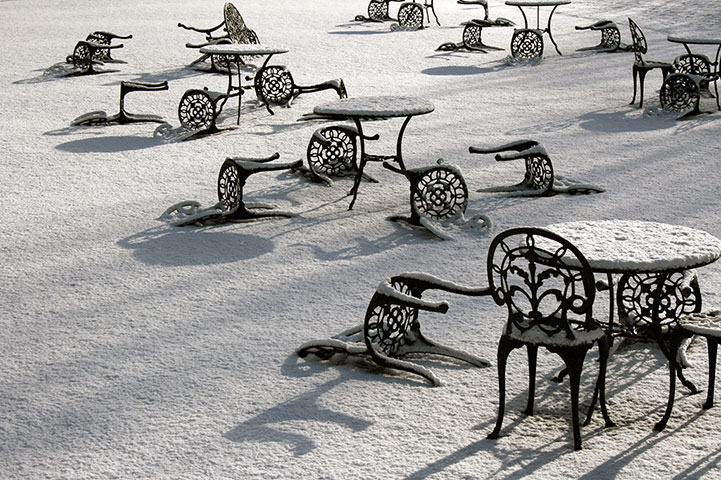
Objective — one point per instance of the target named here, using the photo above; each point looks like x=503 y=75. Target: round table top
x=695 y=40
x=242 y=49
x=377 y=106
x=618 y=246
x=539 y=3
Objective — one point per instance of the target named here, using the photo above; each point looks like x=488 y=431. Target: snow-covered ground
x=132 y=349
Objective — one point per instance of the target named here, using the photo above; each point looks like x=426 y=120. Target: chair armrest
x=425 y=281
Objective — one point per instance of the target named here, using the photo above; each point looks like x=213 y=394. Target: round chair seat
x=702 y=323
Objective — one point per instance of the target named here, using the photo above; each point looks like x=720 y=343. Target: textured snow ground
x=133 y=349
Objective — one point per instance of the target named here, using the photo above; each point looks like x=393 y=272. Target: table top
x=695 y=40
x=377 y=106
x=539 y=3
x=242 y=49
x=618 y=246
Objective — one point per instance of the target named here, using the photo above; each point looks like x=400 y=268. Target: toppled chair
x=101 y=118
x=410 y=15
x=472 y=31
x=539 y=178
x=377 y=11
x=198 y=112
x=391 y=329
x=235 y=31
x=332 y=152
x=681 y=91
x=274 y=85
x=230 y=207
x=610 y=37
x=84 y=56
x=105 y=38
x=640 y=66
x=438 y=198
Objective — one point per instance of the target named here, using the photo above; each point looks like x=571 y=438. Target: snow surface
x=133 y=349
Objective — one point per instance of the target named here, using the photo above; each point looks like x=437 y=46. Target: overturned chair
x=539 y=178
x=391 y=329
x=230 y=207
x=438 y=200
x=274 y=85
x=105 y=38
x=85 y=57
x=198 y=113
x=473 y=29
x=610 y=37
x=101 y=118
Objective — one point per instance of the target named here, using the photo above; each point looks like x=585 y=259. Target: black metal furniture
x=358 y=109
x=539 y=177
x=527 y=43
x=391 y=328
x=274 y=85
x=547 y=287
x=231 y=206
x=84 y=56
x=681 y=91
x=105 y=38
x=234 y=30
x=640 y=66
x=123 y=117
x=410 y=14
x=706 y=325
x=198 y=112
x=472 y=32
x=610 y=37
x=656 y=263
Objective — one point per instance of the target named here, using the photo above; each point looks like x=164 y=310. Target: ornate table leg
x=361 y=163
x=548 y=29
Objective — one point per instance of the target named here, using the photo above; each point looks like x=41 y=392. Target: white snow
x=133 y=349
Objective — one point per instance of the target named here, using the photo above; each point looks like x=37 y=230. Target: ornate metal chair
x=681 y=92
x=274 y=85
x=548 y=289
x=105 y=38
x=527 y=43
x=706 y=325
x=392 y=330
x=84 y=56
x=332 y=152
x=610 y=37
x=122 y=117
x=231 y=207
x=198 y=112
x=640 y=66
x=539 y=178
x=234 y=30
x=472 y=31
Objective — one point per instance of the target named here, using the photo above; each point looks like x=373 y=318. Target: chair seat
x=652 y=64
x=536 y=336
x=703 y=323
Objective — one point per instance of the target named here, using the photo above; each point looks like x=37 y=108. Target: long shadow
x=302 y=407
x=108 y=144
x=174 y=247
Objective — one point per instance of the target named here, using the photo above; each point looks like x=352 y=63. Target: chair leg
x=635 y=75
x=505 y=346
x=573 y=357
x=600 y=390
x=532 y=361
x=712 y=349
x=676 y=337
x=641 y=79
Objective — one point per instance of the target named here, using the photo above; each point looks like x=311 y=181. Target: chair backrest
x=639 y=46
x=234 y=23
x=388 y=321
x=544 y=281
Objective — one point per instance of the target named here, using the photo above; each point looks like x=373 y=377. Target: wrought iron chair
x=610 y=37
x=706 y=325
x=548 y=289
x=392 y=330
x=83 y=58
x=122 y=117
x=274 y=85
x=539 y=178
x=234 y=30
x=681 y=91
x=105 y=38
x=410 y=14
x=472 y=32
x=198 y=112
x=640 y=66
x=231 y=207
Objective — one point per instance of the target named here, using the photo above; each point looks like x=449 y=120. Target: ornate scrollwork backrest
x=610 y=37
x=639 y=45
x=234 y=23
x=539 y=172
x=388 y=322
x=544 y=281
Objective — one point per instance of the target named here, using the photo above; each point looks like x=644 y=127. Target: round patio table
x=521 y=4
x=358 y=109
x=640 y=247
x=234 y=52
x=713 y=67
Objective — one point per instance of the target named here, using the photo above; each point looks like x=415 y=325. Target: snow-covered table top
x=695 y=40
x=376 y=106
x=242 y=49
x=629 y=245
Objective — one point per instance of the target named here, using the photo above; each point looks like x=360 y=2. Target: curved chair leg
x=532 y=361
x=573 y=357
x=712 y=349
x=635 y=76
x=505 y=346
x=600 y=390
x=676 y=338
x=641 y=78
x=406 y=366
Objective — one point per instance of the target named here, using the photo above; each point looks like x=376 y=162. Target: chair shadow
x=105 y=143
x=181 y=246
x=302 y=407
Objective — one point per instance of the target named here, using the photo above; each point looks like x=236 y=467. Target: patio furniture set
x=544 y=278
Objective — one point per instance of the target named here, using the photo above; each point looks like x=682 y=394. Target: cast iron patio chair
x=548 y=290
x=83 y=58
x=274 y=85
x=105 y=38
x=122 y=117
x=392 y=330
x=234 y=30
x=640 y=66
x=610 y=37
